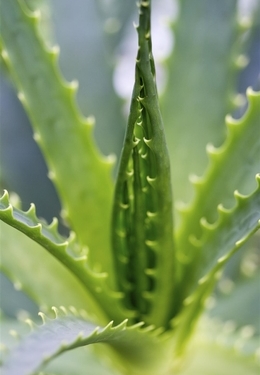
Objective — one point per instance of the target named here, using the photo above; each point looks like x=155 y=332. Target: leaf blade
x=69 y=332
x=55 y=285
x=142 y=227
x=232 y=167
x=207 y=42
x=222 y=240
x=105 y=300
x=59 y=130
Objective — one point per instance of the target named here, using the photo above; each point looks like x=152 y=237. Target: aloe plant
x=139 y=270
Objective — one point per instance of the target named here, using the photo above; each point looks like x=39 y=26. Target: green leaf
x=65 y=137
x=219 y=243
x=232 y=228
x=69 y=363
x=232 y=167
x=201 y=84
x=71 y=255
x=77 y=361
x=142 y=227
x=87 y=55
x=134 y=344
x=54 y=286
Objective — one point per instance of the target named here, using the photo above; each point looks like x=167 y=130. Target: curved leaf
x=55 y=285
x=201 y=84
x=58 y=335
x=232 y=228
x=218 y=244
x=87 y=55
x=71 y=255
x=59 y=130
x=232 y=167
x=69 y=363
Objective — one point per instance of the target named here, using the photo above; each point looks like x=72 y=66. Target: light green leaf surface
x=54 y=285
x=232 y=167
x=80 y=177
x=71 y=255
x=200 y=84
x=232 y=229
x=77 y=361
x=85 y=39
x=69 y=363
x=219 y=243
x=63 y=333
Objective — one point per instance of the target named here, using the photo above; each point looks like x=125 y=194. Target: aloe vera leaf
x=232 y=225
x=55 y=285
x=218 y=244
x=45 y=25
x=71 y=255
x=59 y=130
x=69 y=332
x=69 y=363
x=88 y=56
x=142 y=227
x=232 y=166
x=207 y=48
x=76 y=362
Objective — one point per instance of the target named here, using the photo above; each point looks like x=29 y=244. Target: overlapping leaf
x=76 y=168
x=201 y=84
x=55 y=285
x=134 y=343
x=232 y=167
x=71 y=255
x=219 y=243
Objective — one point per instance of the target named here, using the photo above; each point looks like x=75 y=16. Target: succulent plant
x=138 y=271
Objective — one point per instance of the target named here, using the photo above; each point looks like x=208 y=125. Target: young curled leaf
x=142 y=227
